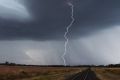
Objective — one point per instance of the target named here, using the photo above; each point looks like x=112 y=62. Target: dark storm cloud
x=51 y=17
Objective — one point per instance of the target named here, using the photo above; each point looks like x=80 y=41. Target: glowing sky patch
x=13 y=9
x=41 y=56
x=36 y=56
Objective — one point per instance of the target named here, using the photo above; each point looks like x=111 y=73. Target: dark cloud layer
x=50 y=18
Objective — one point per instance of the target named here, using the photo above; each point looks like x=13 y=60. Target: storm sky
x=32 y=31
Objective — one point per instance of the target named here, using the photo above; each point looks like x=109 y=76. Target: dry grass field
x=53 y=73
x=36 y=73
x=108 y=73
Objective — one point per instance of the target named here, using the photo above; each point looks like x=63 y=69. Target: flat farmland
x=36 y=73
x=57 y=73
x=107 y=73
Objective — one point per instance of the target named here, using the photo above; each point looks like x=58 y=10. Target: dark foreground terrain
x=57 y=73
x=87 y=74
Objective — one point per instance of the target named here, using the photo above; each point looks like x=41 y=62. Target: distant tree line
x=114 y=65
x=11 y=64
x=14 y=64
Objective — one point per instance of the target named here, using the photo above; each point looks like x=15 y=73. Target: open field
x=108 y=73
x=55 y=73
x=36 y=73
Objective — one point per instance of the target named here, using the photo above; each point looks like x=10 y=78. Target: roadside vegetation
x=108 y=73
x=36 y=73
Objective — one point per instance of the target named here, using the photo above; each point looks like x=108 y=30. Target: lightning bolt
x=67 y=32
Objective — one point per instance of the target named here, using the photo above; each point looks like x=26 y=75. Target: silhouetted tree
x=6 y=63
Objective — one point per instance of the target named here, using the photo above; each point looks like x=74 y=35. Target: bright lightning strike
x=67 y=32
